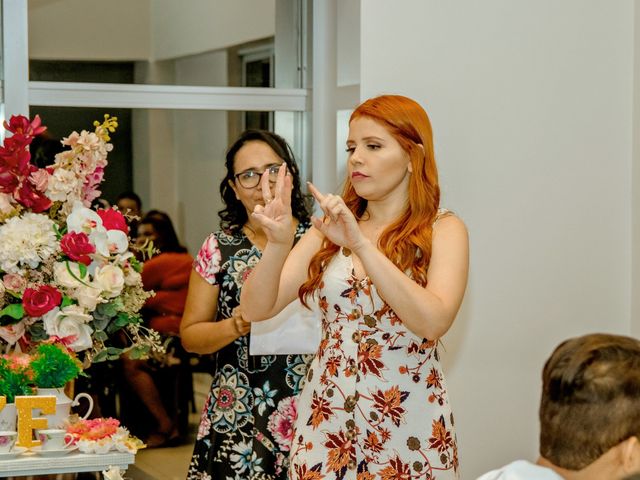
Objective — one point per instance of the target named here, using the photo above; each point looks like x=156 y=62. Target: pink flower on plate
x=281 y=422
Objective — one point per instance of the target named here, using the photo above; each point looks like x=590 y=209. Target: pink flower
x=27 y=196
x=14 y=282
x=40 y=179
x=112 y=219
x=37 y=302
x=281 y=422
x=20 y=125
x=77 y=247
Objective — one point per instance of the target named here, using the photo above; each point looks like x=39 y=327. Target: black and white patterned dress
x=246 y=426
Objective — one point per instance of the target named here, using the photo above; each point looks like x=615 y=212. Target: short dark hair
x=132 y=196
x=590 y=398
x=233 y=216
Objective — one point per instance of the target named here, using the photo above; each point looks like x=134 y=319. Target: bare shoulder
x=449 y=224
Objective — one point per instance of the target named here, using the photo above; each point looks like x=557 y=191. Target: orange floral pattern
x=375 y=403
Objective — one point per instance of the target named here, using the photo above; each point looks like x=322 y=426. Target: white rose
x=68 y=279
x=88 y=297
x=110 y=279
x=70 y=322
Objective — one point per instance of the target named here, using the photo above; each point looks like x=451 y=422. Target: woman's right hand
x=275 y=216
x=241 y=326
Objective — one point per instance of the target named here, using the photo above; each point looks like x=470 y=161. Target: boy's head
x=590 y=399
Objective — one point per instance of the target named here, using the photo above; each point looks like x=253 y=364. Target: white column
x=323 y=151
x=15 y=46
x=635 y=181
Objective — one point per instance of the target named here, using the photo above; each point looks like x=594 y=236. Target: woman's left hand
x=339 y=224
x=275 y=217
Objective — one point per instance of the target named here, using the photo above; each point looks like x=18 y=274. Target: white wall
x=143 y=29
x=208 y=25
x=201 y=141
x=95 y=30
x=635 y=182
x=531 y=104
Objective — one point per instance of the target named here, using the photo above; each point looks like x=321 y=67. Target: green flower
x=53 y=366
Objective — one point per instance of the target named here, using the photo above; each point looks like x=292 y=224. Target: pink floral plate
x=54 y=453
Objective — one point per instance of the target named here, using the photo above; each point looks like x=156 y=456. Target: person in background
x=589 y=413
x=388 y=270
x=167 y=274
x=245 y=429
x=129 y=204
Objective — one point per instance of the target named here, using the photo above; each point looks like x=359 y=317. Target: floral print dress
x=375 y=403
x=245 y=430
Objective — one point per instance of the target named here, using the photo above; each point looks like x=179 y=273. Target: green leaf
x=66 y=301
x=13 y=310
x=100 y=335
x=135 y=264
x=107 y=309
x=83 y=269
x=101 y=356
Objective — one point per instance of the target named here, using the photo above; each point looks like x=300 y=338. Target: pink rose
x=77 y=247
x=38 y=301
x=113 y=220
x=14 y=282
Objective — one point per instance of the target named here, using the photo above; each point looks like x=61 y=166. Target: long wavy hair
x=233 y=216
x=406 y=241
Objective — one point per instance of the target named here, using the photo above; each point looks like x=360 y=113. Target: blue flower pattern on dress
x=231 y=406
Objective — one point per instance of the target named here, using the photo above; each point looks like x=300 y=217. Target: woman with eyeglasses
x=245 y=428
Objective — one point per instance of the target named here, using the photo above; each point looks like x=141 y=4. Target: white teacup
x=7 y=440
x=54 y=439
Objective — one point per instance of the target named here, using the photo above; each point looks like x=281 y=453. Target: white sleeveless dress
x=375 y=403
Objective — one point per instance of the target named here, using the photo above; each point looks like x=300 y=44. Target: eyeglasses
x=251 y=178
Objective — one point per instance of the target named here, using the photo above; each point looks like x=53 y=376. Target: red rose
x=77 y=247
x=113 y=220
x=38 y=301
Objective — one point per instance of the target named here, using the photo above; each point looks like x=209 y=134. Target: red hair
x=407 y=241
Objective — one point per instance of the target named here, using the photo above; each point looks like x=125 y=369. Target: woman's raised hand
x=338 y=224
x=275 y=216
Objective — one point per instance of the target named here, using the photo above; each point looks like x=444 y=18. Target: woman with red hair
x=388 y=270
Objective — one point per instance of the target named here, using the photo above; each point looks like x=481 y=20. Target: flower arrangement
x=102 y=435
x=66 y=272
x=15 y=377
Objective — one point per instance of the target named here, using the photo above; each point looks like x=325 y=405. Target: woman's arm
x=275 y=280
x=198 y=330
x=426 y=311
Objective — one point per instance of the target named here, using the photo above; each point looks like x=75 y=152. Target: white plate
x=13 y=453
x=54 y=453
